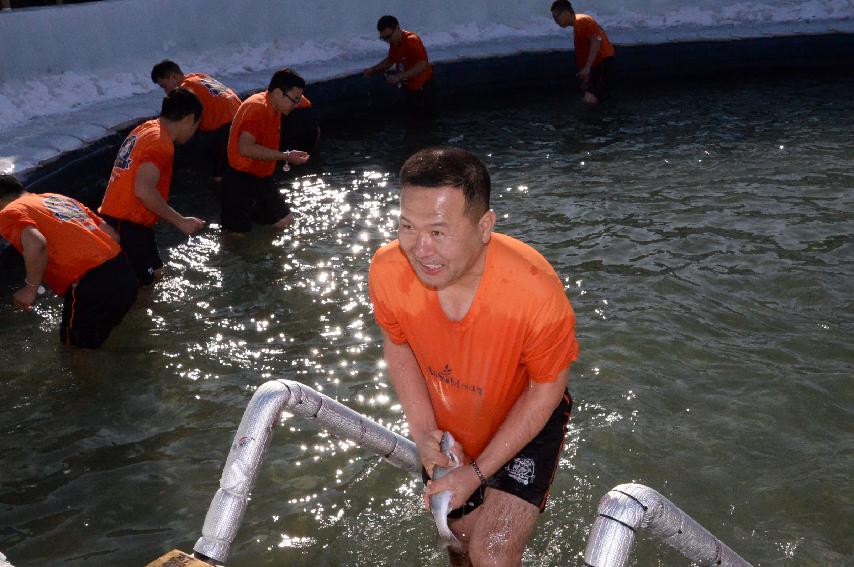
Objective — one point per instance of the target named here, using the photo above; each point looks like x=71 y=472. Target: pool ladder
x=622 y=512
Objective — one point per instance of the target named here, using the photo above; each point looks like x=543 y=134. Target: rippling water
x=704 y=233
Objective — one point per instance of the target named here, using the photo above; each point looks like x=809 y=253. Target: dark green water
x=704 y=232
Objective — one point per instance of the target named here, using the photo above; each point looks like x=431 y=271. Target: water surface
x=704 y=233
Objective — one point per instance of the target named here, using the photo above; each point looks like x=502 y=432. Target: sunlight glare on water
x=702 y=235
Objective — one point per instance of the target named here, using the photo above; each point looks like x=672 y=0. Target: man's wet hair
x=285 y=79
x=560 y=6
x=450 y=167
x=179 y=103
x=10 y=186
x=164 y=70
x=387 y=22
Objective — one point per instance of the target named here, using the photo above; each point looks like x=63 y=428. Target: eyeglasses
x=295 y=101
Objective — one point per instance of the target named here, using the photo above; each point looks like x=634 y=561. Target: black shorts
x=247 y=198
x=97 y=303
x=602 y=79
x=530 y=473
x=140 y=246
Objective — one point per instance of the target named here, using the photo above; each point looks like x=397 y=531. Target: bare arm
x=249 y=149
x=34 y=248
x=145 y=187
x=408 y=382
x=595 y=44
x=378 y=68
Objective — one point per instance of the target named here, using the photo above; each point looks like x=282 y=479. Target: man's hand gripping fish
x=440 y=503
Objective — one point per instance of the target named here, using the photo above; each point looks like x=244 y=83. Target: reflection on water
x=704 y=236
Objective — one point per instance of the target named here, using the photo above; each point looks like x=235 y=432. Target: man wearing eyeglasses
x=248 y=191
x=412 y=69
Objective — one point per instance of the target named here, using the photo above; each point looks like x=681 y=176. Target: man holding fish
x=478 y=340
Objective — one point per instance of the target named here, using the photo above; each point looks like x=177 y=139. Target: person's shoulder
x=388 y=257
x=410 y=37
x=529 y=267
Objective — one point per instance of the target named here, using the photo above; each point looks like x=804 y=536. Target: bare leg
x=285 y=222
x=496 y=533
x=590 y=98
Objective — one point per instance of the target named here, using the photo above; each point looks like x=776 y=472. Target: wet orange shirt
x=406 y=55
x=75 y=242
x=584 y=30
x=519 y=328
x=147 y=143
x=258 y=117
x=219 y=102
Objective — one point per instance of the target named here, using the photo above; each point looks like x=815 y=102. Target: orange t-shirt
x=219 y=102
x=75 y=241
x=406 y=55
x=584 y=30
x=147 y=143
x=519 y=328
x=258 y=117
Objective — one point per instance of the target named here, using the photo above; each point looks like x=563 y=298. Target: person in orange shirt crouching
x=137 y=193
x=412 y=67
x=594 y=54
x=74 y=252
x=478 y=339
x=219 y=105
x=248 y=190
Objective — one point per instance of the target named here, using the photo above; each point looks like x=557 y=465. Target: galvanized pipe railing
x=628 y=508
x=253 y=438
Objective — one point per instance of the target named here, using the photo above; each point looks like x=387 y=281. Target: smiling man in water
x=478 y=340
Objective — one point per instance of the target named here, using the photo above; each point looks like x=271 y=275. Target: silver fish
x=440 y=503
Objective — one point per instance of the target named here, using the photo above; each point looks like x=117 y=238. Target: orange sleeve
x=415 y=50
x=551 y=345
x=12 y=224
x=383 y=314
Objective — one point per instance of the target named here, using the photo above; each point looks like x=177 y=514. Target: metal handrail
x=628 y=508
x=252 y=439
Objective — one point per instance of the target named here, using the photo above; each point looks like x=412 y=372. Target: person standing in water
x=412 y=68
x=594 y=54
x=138 y=190
x=74 y=252
x=219 y=105
x=478 y=339
x=248 y=191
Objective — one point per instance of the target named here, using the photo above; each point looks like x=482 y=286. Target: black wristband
x=478 y=473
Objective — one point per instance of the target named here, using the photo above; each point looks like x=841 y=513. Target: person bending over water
x=478 y=339
x=74 y=252
x=248 y=191
x=137 y=193
x=412 y=68
x=594 y=55
x=219 y=105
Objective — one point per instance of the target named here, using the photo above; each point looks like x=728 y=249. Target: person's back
x=76 y=244
x=147 y=143
x=219 y=102
x=74 y=252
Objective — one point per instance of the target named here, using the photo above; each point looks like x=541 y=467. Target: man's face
x=286 y=102
x=170 y=83
x=564 y=19
x=392 y=36
x=444 y=245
